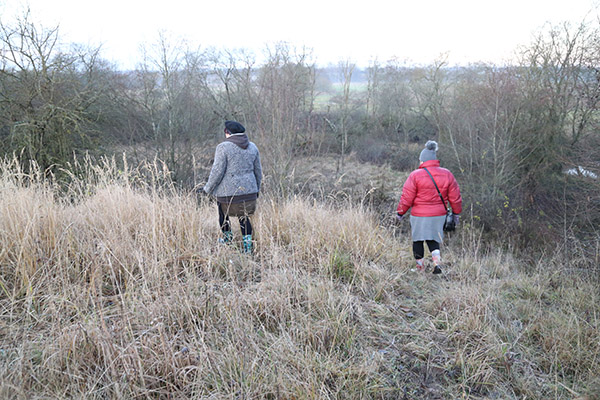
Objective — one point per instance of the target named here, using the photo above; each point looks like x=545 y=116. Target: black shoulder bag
x=449 y=224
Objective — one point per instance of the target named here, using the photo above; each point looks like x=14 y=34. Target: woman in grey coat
x=235 y=180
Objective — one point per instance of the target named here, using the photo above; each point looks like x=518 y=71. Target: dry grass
x=117 y=288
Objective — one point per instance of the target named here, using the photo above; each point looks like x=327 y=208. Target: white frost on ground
x=581 y=172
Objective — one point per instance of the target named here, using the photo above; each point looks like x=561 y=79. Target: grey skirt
x=427 y=228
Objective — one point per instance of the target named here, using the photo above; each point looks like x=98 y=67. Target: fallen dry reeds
x=114 y=286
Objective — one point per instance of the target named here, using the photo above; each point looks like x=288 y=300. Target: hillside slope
x=117 y=288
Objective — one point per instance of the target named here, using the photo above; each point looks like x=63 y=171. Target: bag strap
x=436 y=188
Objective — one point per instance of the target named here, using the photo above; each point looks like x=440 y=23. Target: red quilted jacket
x=419 y=191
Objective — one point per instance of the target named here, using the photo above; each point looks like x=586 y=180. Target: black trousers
x=419 y=248
x=225 y=223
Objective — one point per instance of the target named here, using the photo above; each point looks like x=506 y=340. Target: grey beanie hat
x=429 y=152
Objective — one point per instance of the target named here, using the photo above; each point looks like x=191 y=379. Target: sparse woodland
x=112 y=283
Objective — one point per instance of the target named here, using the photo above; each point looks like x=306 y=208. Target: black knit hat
x=234 y=127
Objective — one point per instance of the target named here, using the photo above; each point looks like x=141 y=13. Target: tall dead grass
x=114 y=286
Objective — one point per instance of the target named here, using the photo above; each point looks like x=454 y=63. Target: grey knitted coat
x=235 y=171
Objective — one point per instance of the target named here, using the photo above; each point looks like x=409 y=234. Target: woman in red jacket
x=428 y=212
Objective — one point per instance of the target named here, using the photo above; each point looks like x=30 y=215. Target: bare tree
x=396 y=106
x=46 y=95
x=562 y=89
x=285 y=97
x=172 y=95
x=346 y=69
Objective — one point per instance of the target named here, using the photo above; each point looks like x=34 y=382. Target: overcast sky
x=415 y=31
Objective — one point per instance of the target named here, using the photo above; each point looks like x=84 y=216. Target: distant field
x=355 y=87
x=324 y=98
